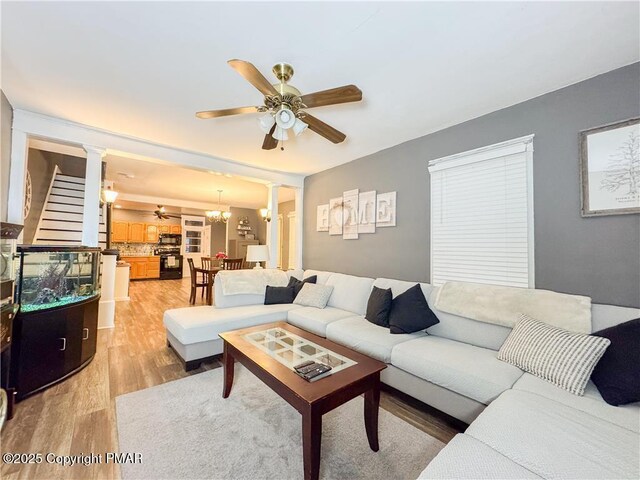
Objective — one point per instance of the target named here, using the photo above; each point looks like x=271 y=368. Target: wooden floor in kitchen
x=77 y=416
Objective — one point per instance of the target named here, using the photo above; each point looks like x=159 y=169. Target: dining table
x=210 y=274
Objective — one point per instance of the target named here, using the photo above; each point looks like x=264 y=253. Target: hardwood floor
x=77 y=416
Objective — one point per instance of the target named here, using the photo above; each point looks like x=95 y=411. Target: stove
x=170 y=262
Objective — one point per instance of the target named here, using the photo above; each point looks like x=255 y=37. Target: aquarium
x=50 y=277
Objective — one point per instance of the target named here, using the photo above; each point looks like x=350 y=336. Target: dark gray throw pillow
x=617 y=374
x=379 y=306
x=410 y=312
x=275 y=295
x=297 y=284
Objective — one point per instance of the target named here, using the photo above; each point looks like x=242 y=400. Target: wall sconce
x=265 y=214
x=109 y=195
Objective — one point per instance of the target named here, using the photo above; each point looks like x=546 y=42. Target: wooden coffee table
x=269 y=351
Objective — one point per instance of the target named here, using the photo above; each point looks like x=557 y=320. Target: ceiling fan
x=285 y=105
x=162 y=214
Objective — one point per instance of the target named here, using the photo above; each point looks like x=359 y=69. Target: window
x=482 y=215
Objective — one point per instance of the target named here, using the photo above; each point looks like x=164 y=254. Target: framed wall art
x=610 y=169
x=335 y=216
x=386 y=209
x=350 y=215
x=367 y=212
x=322 y=218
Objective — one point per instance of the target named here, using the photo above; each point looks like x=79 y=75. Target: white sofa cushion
x=462 y=329
x=315 y=320
x=201 y=324
x=322 y=276
x=221 y=300
x=471 y=371
x=400 y=286
x=365 y=337
x=556 y=441
x=349 y=292
x=626 y=416
x=464 y=457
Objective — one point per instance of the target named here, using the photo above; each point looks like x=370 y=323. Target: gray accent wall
x=597 y=256
x=6 y=120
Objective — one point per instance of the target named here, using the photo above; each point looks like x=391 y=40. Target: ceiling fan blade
x=253 y=76
x=323 y=129
x=225 y=112
x=269 y=142
x=333 y=96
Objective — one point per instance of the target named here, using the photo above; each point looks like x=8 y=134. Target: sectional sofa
x=520 y=426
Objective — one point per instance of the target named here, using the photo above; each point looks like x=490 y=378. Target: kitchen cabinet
x=144 y=267
x=164 y=228
x=175 y=229
x=136 y=232
x=119 y=231
x=151 y=233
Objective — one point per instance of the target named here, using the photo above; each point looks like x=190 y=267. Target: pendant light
x=218 y=216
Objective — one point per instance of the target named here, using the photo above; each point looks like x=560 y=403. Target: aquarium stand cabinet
x=55 y=329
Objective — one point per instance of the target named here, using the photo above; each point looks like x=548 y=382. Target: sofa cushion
x=480 y=334
x=556 y=441
x=410 y=312
x=321 y=275
x=617 y=374
x=627 y=416
x=315 y=320
x=365 y=337
x=221 y=300
x=400 y=286
x=350 y=292
x=464 y=457
x=201 y=324
x=297 y=284
x=564 y=358
x=312 y=295
x=379 y=306
x=276 y=295
x=465 y=369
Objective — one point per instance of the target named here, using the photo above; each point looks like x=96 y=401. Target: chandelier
x=218 y=216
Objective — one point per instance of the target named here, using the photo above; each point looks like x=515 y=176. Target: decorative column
x=299 y=204
x=272 y=226
x=92 y=187
x=107 y=305
x=17 y=177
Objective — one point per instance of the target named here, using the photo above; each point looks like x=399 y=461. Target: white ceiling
x=166 y=181
x=144 y=68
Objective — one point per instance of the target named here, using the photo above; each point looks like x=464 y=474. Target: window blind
x=482 y=216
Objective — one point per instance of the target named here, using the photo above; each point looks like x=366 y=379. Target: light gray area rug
x=185 y=429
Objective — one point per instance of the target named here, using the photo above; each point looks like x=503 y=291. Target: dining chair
x=194 y=282
x=233 y=263
x=206 y=263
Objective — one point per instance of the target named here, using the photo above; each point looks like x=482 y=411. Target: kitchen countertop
x=139 y=256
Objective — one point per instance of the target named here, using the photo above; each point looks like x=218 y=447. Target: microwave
x=170 y=239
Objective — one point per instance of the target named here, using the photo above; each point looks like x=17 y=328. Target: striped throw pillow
x=563 y=358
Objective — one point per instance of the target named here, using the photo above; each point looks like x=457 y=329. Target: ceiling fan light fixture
x=280 y=134
x=266 y=122
x=299 y=126
x=285 y=118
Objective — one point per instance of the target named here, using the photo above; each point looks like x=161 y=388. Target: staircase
x=61 y=219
